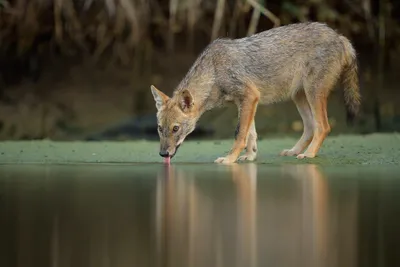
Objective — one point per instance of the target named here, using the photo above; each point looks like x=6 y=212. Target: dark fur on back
x=278 y=62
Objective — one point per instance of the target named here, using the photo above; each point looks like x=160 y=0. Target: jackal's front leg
x=247 y=107
x=251 y=145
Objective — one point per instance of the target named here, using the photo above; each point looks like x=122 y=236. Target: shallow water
x=198 y=215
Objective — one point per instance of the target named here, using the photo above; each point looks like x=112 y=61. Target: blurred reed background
x=82 y=69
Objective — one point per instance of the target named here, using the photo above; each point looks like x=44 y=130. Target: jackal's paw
x=289 y=152
x=247 y=157
x=224 y=160
x=306 y=155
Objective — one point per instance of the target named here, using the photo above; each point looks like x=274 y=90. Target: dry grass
x=91 y=28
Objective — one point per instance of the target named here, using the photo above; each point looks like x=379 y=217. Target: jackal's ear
x=187 y=100
x=159 y=96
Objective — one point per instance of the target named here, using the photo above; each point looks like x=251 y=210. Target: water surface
x=198 y=215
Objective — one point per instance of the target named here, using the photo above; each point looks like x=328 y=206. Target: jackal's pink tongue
x=167 y=160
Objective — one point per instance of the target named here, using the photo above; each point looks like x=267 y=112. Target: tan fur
x=302 y=62
x=247 y=109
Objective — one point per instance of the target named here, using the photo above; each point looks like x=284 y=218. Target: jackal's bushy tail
x=350 y=80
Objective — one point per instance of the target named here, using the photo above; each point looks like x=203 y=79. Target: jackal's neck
x=199 y=81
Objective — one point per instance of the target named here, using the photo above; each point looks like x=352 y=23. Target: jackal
x=301 y=61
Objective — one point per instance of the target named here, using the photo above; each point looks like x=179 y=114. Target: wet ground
x=340 y=150
x=100 y=215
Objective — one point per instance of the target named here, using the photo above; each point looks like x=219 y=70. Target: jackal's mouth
x=176 y=150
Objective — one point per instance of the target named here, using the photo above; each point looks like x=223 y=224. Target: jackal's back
x=276 y=61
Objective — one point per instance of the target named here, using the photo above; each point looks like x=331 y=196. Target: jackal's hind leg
x=305 y=112
x=318 y=104
x=251 y=146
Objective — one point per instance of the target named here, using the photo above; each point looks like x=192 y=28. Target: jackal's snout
x=165 y=150
x=168 y=151
x=164 y=153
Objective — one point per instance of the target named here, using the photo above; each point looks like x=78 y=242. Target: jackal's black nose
x=164 y=154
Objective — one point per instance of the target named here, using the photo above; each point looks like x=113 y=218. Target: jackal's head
x=176 y=119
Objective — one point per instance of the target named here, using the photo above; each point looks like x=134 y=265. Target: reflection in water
x=294 y=222
x=197 y=215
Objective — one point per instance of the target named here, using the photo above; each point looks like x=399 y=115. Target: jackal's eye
x=159 y=128
x=175 y=129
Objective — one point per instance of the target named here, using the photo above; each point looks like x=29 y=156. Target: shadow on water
x=198 y=215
